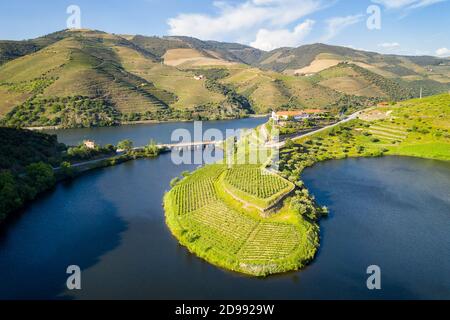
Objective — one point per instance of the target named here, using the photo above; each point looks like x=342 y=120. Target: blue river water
x=393 y=212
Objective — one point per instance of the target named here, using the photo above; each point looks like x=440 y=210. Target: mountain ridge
x=74 y=78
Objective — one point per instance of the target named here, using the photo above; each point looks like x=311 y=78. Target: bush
x=66 y=170
x=39 y=177
x=81 y=152
x=174 y=181
x=10 y=198
x=151 y=150
x=126 y=145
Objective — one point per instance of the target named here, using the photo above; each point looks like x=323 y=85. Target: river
x=393 y=212
x=141 y=134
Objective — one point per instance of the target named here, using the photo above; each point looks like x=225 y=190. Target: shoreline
x=130 y=123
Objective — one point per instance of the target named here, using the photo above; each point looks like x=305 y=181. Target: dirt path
x=246 y=204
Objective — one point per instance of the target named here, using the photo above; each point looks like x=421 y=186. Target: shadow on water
x=141 y=134
x=392 y=212
x=62 y=228
x=111 y=223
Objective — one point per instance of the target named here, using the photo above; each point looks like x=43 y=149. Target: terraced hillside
x=109 y=79
x=254 y=186
x=266 y=90
x=84 y=65
x=418 y=128
x=233 y=52
x=236 y=237
x=429 y=74
x=105 y=68
x=352 y=79
x=10 y=50
x=318 y=57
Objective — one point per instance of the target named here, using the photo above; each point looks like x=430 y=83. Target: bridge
x=199 y=145
x=190 y=145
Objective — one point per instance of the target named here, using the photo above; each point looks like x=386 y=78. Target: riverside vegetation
x=219 y=211
x=418 y=128
x=33 y=162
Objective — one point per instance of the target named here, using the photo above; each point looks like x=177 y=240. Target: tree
x=186 y=173
x=67 y=170
x=152 y=149
x=126 y=145
x=289 y=144
x=40 y=177
x=10 y=198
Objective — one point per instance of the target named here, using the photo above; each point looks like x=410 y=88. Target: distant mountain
x=91 y=78
x=316 y=57
x=213 y=49
x=10 y=50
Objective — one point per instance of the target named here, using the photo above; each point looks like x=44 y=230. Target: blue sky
x=415 y=27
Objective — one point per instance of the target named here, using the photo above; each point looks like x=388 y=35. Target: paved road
x=269 y=145
x=349 y=118
x=81 y=164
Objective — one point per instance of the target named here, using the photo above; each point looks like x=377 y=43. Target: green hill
x=22 y=147
x=289 y=59
x=97 y=70
x=10 y=50
x=413 y=72
x=417 y=127
x=86 y=78
x=228 y=51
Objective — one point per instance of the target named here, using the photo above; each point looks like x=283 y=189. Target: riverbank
x=21 y=186
x=127 y=123
x=37 y=146
x=417 y=128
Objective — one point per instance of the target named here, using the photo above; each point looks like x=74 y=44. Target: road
x=202 y=143
x=85 y=163
x=353 y=116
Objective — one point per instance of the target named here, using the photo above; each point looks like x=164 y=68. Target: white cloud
x=406 y=4
x=443 y=52
x=234 y=20
x=389 y=45
x=272 y=39
x=337 y=24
